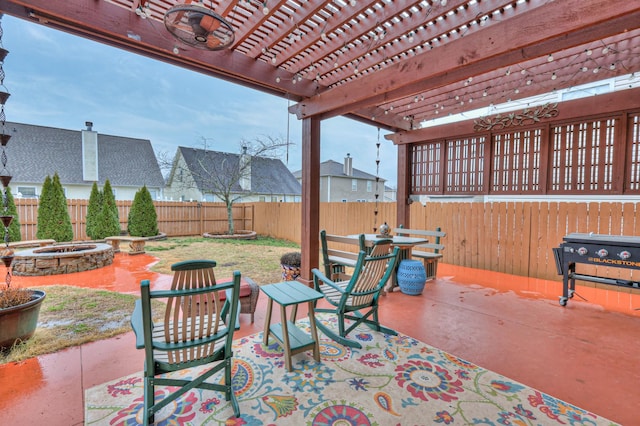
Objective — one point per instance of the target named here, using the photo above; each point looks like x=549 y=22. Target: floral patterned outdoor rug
x=392 y=380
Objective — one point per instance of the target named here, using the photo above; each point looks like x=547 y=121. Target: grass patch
x=71 y=316
x=258 y=259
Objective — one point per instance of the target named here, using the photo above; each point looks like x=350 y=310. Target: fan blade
x=213 y=41
x=194 y=20
x=209 y=23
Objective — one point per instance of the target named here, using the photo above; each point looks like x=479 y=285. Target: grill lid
x=602 y=239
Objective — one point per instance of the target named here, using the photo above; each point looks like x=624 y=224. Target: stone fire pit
x=62 y=259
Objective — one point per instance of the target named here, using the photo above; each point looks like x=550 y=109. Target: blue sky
x=59 y=80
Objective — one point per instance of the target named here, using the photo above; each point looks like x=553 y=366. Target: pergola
x=394 y=64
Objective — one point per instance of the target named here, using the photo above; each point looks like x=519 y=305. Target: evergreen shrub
x=142 y=220
x=53 y=216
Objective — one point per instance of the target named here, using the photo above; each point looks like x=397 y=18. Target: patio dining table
x=404 y=243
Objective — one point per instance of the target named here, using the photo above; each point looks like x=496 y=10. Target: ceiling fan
x=198 y=26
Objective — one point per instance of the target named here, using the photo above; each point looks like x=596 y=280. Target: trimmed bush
x=14 y=227
x=142 y=220
x=93 y=211
x=53 y=217
x=43 y=213
x=108 y=223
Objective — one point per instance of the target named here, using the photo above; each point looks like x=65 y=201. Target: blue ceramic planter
x=411 y=277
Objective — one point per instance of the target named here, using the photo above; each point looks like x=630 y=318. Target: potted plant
x=290 y=263
x=19 y=310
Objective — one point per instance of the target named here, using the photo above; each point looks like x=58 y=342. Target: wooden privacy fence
x=511 y=237
x=175 y=218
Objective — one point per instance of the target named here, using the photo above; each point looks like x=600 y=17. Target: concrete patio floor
x=586 y=353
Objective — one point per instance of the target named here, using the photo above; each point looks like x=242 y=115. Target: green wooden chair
x=357 y=298
x=197 y=329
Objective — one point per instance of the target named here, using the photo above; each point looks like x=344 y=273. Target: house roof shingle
x=268 y=175
x=37 y=151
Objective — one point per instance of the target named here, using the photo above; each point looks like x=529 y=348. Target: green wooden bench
x=335 y=260
x=429 y=252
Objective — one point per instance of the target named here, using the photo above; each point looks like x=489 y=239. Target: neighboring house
x=390 y=194
x=80 y=157
x=265 y=179
x=342 y=183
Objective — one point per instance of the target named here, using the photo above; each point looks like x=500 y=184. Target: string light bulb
x=265 y=9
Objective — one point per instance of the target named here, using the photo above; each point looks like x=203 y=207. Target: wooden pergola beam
x=113 y=25
x=541 y=31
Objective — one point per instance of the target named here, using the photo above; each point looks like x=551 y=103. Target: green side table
x=294 y=340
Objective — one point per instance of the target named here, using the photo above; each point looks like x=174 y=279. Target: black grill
x=593 y=249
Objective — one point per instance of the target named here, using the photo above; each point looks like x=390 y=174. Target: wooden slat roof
x=391 y=63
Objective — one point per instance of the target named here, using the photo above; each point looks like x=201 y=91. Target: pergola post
x=309 y=240
x=403 y=212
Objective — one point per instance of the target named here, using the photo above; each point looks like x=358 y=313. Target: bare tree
x=227 y=176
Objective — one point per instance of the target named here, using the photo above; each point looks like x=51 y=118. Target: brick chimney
x=89 y=153
x=348 y=165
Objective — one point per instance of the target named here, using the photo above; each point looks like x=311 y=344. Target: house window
x=262 y=198
x=209 y=198
x=27 y=191
x=354 y=184
x=274 y=199
x=344 y=200
x=369 y=186
x=153 y=192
